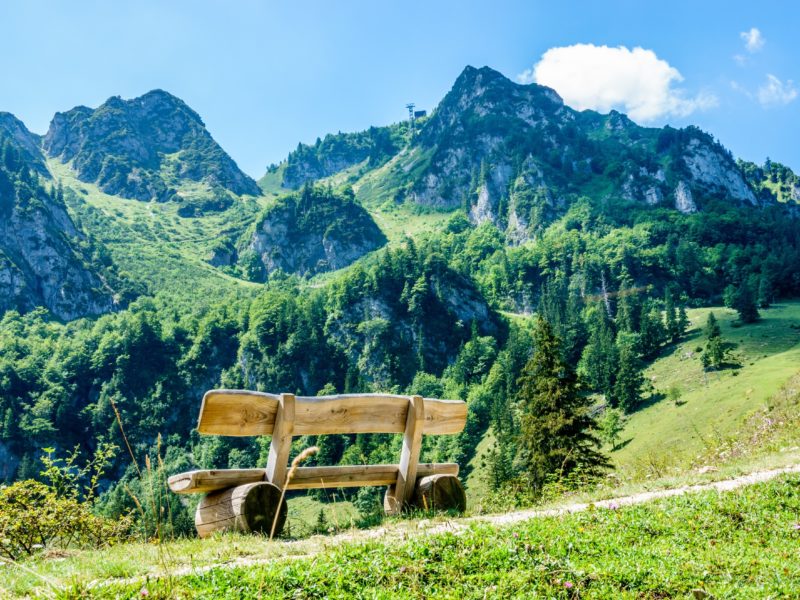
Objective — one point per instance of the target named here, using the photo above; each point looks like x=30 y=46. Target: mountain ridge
x=146 y=148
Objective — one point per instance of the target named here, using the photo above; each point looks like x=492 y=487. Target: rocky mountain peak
x=145 y=148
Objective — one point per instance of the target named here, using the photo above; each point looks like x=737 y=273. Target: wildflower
x=796 y=526
x=144 y=593
x=568 y=585
x=516 y=535
x=613 y=506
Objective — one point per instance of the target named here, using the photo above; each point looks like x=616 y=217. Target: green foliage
x=33 y=517
x=744 y=301
x=555 y=432
x=36 y=516
x=629 y=379
x=714 y=354
x=611 y=425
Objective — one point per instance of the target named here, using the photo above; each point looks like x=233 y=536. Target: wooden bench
x=248 y=500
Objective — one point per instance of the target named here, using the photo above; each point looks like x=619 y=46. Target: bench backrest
x=245 y=413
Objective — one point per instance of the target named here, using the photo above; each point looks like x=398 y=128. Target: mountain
x=150 y=148
x=44 y=259
x=340 y=151
x=515 y=155
x=309 y=232
x=773 y=181
x=29 y=145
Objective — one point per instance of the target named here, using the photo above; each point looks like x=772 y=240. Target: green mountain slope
x=150 y=148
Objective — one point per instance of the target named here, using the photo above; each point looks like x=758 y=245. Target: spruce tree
x=671 y=317
x=745 y=302
x=714 y=354
x=555 y=429
x=629 y=383
x=651 y=332
x=598 y=363
x=683 y=321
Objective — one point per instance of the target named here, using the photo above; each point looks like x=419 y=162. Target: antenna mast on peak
x=410 y=106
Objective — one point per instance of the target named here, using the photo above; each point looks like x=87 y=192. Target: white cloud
x=775 y=92
x=601 y=78
x=753 y=40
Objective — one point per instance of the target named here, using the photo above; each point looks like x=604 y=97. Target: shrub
x=34 y=517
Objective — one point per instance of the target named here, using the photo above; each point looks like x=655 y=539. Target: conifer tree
x=556 y=428
x=629 y=383
x=683 y=321
x=651 y=332
x=714 y=354
x=599 y=360
x=671 y=317
x=745 y=302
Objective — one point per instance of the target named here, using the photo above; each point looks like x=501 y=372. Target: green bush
x=34 y=517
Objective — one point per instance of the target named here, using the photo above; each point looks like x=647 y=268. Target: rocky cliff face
x=14 y=132
x=145 y=149
x=309 y=232
x=516 y=156
x=41 y=260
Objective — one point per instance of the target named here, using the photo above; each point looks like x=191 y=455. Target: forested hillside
x=398 y=259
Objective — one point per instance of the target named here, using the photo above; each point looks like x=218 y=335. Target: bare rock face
x=41 y=263
x=143 y=148
x=716 y=170
x=684 y=202
x=311 y=232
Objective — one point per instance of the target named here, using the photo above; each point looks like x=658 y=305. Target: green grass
x=713 y=405
x=741 y=544
x=152 y=244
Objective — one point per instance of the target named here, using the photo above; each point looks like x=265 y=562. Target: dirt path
x=408 y=529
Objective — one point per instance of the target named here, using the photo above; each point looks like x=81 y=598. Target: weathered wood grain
x=193 y=482
x=439 y=492
x=281 y=444
x=402 y=490
x=241 y=413
x=249 y=508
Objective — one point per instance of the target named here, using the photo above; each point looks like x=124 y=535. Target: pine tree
x=651 y=331
x=764 y=291
x=714 y=354
x=683 y=321
x=598 y=363
x=671 y=317
x=745 y=302
x=629 y=383
x=611 y=425
x=555 y=429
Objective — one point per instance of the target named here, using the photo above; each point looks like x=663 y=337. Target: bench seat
x=194 y=482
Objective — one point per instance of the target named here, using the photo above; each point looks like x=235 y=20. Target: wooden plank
x=194 y=482
x=401 y=491
x=241 y=413
x=205 y=481
x=281 y=443
x=237 y=413
x=360 y=475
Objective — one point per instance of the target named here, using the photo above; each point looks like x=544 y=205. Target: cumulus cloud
x=753 y=40
x=775 y=92
x=601 y=78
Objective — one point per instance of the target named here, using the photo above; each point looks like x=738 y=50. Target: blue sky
x=265 y=75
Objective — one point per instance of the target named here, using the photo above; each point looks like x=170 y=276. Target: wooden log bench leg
x=249 y=508
x=439 y=492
